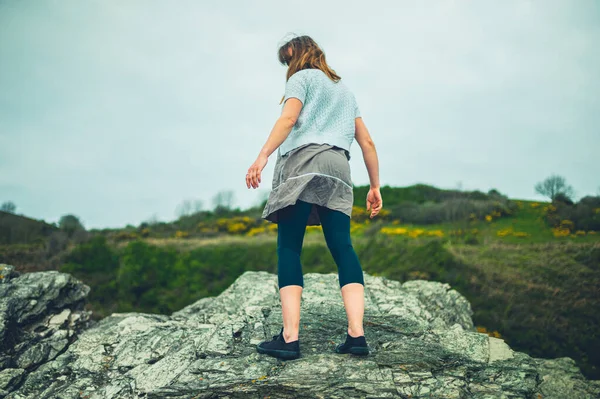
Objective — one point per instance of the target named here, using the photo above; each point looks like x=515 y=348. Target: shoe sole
x=278 y=353
x=355 y=350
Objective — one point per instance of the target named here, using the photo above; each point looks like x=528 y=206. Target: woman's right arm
x=364 y=140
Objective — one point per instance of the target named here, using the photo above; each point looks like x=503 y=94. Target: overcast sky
x=118 y=111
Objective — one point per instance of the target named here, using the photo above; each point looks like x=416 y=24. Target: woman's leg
x=290 y=237
x=336 y=229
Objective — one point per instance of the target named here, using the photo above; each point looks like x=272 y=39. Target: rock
x=560 y=378
x=10 y=378
x=421 y=335
x=35 y=320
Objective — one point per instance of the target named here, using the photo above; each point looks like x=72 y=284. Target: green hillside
x=18 y=229
x=531 y=270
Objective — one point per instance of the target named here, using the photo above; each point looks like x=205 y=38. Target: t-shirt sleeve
x=356 y=108
x=296 y=86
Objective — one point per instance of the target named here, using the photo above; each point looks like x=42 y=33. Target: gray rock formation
x=40 y=316
x=421 y=335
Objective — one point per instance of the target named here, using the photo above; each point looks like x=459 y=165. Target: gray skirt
x=315 y=173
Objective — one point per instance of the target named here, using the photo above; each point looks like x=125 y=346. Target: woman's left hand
x=253 y=176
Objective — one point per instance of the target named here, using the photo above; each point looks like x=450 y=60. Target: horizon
x=234 y=208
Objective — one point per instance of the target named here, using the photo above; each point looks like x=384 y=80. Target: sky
x=117 y=112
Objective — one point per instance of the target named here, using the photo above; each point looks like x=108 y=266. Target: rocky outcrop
x=40 y=316
x=421 y=335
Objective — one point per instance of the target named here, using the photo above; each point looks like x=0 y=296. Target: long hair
x=306 y=54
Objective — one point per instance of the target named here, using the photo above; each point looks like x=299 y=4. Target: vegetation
x=531 y=270
x=581 y=217
x=541 y=298
x=553 y=186
x=8 y=207
x=70 y=224
x=17 y=229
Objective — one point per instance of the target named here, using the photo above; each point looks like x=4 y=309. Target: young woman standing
x=312 y=186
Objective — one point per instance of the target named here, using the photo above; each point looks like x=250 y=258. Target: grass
x=543 y=298
x=525 y=226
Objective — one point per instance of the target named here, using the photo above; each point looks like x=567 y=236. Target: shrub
x=57 y=242
x=451 y=210
x=471 y=239
x=69 y=224
x=95 y=263
x=256 y=230
x=181 y=234
x=233 y=225
x=125 y=236
x=583 y=215
x=145 y=232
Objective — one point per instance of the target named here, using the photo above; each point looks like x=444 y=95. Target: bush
x=584 y=215
x=451 y=210
x=125 y=236
x=563 y=198
x=420 y=194
x=96 y=265
x=94 y=256
x=70 y=224
x=471 y=239
x=56 y=243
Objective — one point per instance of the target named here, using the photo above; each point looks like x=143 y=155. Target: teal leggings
x=290 y=236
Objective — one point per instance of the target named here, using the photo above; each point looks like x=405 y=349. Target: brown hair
x=306 y=54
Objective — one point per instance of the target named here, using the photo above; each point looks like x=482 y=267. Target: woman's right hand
x=374 y=201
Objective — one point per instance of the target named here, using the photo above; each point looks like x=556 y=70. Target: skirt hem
x=274 y=203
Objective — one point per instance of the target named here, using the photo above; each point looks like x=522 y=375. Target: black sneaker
x=354 y=345
x=277 y=347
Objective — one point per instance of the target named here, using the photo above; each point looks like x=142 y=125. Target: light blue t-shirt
x=328 y=112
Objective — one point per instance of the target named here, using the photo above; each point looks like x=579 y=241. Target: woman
x=312 y=186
